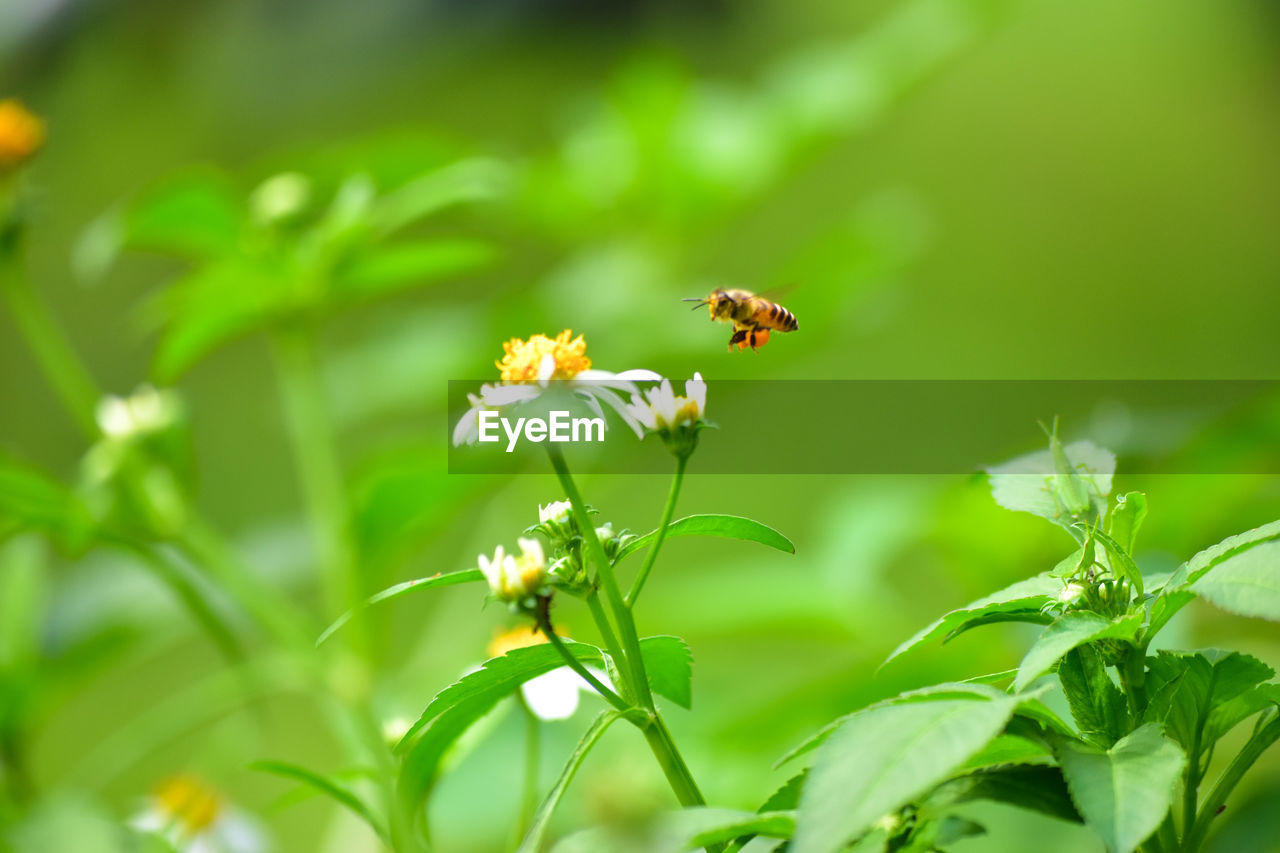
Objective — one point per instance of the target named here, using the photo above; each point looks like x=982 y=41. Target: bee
x=753 y=317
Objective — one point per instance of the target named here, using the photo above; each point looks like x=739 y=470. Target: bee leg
x=739 y=338
x=759 y=337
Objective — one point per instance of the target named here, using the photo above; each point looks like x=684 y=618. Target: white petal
x=591 y=401
x=624 y=411
x=695 y=389
x=546 y=369
x=640 y=375
x=467 y=430
x=532 y=549
x=114 y=417
x=554 y=695
x=504 y=395
x=238 y=833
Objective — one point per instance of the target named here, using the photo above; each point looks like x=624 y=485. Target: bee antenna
x=698 y=299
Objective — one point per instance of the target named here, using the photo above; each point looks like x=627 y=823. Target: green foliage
x=1125 y=792
x=726 y=526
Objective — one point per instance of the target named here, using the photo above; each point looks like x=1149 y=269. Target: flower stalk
x=668 y=512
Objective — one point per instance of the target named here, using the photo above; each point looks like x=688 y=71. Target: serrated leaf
x=881 y=758
x=707 y=825
x=727 y=526
x=669 y=664
x=1096 y=703
x=433 y=582
x=331 y=788
x=1187 y=687
x=1124 y=793
x=496 y=678
x=953 y=689
x=538 y=826
x=1069 y=631
x=787 y=797
x=1032 y=787
x=1009 y=749
x=1247 y=584
x=1030 y=594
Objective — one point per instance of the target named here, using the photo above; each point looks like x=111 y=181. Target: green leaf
x=330 y=788
x=1025 y=595
x=1069 y=631
x=1032 y=787
x=1187 y=687
x=706 y=825
x=497 y=678
x=387 y=269
x=1124 y=793
x=1009 y=749
x=945 y=690
x=1247 y=584
x=434 y=582
x=1126 y=519
x=1232 y=712
x=727 y=526
x=1119 y=560
x=669 y=663
x=465 y=181
x=194 y=215
x=1178 y=590
x=538 y=827
x=787 y=797
x=1032 y=483
x=883 y=757
x=1097 y=704
x=31 y=500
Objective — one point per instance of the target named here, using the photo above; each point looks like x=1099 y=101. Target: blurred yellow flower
x=21 y=134
x=194 y=818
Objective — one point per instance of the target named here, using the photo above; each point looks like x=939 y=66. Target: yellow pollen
x=523 y=359
x=21 y=134
x=190 y=802
x=516 y=638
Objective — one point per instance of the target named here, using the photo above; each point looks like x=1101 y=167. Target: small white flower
x=512 y=578
x=193 y=818
x=660 y=410
x=146 y=411
x=1071 y=592
x=556 y=512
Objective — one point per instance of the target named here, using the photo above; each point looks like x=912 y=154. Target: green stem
x=606 y=633
x=1133 y=676
x=544 y=622
x=621 y=615
x=677 y=772
x=532 y=750
x=667 y=512
x=65 y=372
x=1262 y=738
x=316 y=458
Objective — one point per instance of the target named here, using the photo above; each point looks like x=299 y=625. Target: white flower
x=145 y=411
x=530 y=367
x=512 y=578
x=660 y=410
x=556 y=512
x=554 y=695
x=194 y=818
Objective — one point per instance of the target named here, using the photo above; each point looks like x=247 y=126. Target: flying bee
x=753 y=317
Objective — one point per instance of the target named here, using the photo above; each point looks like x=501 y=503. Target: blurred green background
x=971 y=189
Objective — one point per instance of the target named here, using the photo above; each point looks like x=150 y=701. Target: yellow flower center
x=516 y=638
x=21 y=134
x=523 y=359
x=191 y=803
